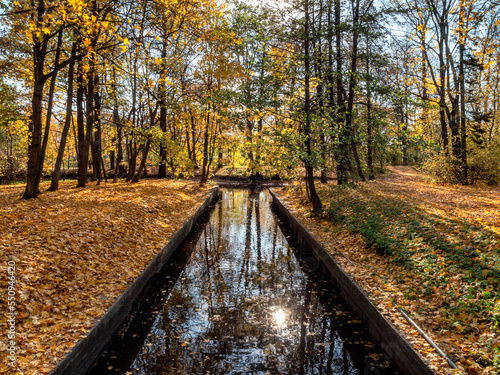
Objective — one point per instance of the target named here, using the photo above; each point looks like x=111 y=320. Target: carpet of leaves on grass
x=434 y=250
x=76 y=251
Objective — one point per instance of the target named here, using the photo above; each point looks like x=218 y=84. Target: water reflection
x=279 y=317
x=243 y=305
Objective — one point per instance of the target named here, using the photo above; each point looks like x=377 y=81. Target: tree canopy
x=310 y=88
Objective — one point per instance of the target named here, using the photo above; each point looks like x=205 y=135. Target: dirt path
x=475 y=204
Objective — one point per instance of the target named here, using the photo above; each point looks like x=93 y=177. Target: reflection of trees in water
x=219 y=317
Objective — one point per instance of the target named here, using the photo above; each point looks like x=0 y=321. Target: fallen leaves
x=433 y=250
x=76 y=251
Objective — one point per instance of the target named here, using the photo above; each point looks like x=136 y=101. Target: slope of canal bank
x=76 y=251
x=448 y=233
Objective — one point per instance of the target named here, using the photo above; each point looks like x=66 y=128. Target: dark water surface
x=235 y=300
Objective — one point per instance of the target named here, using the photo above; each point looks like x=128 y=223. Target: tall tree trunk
x=97 y=133
x=331 y=90
x=132 y=162
x=404 y=140
x=369 y=122
x=193 y=139
x=80 y=122
x=349 y=129
x=119 y=130
x=67 y=123
x=249 y=139
x=341 y=154
x=132 y=149
x=142 y=166
x=318 y=67
x=84 y=144
x=463 y=130
x=205 y=167
x=456 y=141
x=311 y=188
x=50 y=104
x=35 y=145
x=35 y=136
x=162 y=170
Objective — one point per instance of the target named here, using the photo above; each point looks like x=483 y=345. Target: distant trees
x=454 y=38
x=78 y=48
x=314 y=88
x=13 y=133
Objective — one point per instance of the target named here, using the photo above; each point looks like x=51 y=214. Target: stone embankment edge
x=85 y=352
x=385 y=334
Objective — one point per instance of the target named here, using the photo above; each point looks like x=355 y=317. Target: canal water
x=239 y=299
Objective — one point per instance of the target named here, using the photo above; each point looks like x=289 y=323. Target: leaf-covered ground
x=432 y=250
x=76 y=251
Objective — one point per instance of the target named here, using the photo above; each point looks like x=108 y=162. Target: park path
x=479 y=204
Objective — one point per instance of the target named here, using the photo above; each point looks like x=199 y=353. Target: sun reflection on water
x=280 y=317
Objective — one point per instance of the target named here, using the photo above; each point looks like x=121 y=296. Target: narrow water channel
x=236 y=300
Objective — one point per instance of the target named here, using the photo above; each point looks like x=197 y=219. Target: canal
x=238 y=298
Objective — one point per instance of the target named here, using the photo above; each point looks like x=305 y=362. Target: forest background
x=331 y=88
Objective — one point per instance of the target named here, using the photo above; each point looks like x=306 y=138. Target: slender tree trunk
x=404 y=140
x=193 y=139
x=442 y=85
x=84 y=145
x=142 y=166
x=188 y=143
x=349 y=129
x=463 y=130
x=331 y=90
x=205 y=167
x=249 y=137
x=311 y=188
x=50 y=104
x=98 y=131
x=119 y=136
x=132 y=149
x=162 y=170
x=67 y=123
x=35 y=137
x=369 y=121
x=456 y=144
x=341 y=147
x=104 y=174
x=318 y=67
x=80 y=122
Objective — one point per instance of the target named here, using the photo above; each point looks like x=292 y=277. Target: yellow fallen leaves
x=76 y=251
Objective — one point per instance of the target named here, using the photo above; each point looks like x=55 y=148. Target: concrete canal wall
x=400 y=351
x=85 y=352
